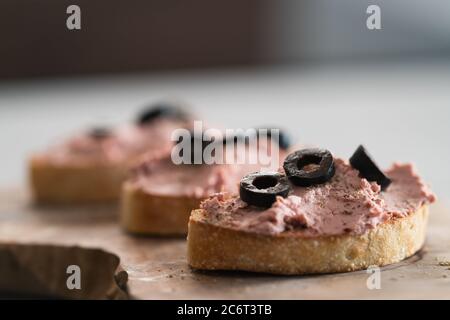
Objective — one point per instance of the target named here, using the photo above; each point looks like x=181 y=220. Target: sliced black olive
x=361 y=161
x=161 y=110
x=309 y=167
x=284 y=139
x=99 y=133
x=261 y=188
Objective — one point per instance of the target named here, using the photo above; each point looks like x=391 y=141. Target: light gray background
x=399 y=111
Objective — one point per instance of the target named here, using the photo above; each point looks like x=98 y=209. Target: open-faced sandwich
x=91 y=165
x=318 y=214
x=160 y=195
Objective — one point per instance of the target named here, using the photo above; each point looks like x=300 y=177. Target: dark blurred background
x=119 y=36
x=142 y=35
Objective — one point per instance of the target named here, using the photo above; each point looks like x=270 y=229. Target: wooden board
x=157 y=267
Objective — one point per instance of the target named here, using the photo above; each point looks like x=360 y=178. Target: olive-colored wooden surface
x=157 y=267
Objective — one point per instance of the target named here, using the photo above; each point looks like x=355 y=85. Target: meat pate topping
x=345 y=204
x=125 y=143
x=163 y=177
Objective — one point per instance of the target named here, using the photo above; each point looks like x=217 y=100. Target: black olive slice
x=160 y=110
x=309 y=167
x=261 y=188
x=99 y=133
x=361 y=161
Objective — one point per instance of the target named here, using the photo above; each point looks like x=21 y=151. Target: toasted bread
x=213 y=247
x=145 y=213
x=70 y=183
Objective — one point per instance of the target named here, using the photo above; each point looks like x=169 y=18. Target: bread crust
x=212 y=247
x=151 y=214
x=75 y=184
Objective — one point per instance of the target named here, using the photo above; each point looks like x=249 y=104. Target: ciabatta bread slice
x=344 y=224
x=90 y=166
x=212 y=247
x=74 y=184
x=155 y=214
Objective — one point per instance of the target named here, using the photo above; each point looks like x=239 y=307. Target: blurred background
x=312 y=67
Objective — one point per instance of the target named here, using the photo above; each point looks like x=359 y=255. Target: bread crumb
x=444 y=263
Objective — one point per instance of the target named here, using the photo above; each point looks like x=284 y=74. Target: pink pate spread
x=124 y=144
x=345 y=204
x=200 y=181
